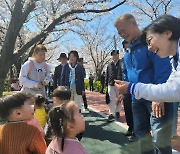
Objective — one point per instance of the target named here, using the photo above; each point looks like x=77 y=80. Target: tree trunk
x=4 y=71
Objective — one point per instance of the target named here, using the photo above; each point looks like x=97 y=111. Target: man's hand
x=122 y=86
x=158 y=109
x=120 y=99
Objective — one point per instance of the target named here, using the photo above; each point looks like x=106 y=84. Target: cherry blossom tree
x=148 y=10
x=98 y=42
x=24 y=23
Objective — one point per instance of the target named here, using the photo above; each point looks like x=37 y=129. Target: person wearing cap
x=58 y=73
x=113 y=72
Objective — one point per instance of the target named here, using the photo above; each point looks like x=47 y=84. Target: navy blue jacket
x=142 y=65
x=79 y=78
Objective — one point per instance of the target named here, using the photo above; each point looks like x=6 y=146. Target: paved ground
x=101 y=137
x=96 y=101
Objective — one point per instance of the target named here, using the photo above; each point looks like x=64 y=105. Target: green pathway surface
x=102 y=137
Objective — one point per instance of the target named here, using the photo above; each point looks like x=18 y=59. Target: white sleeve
x=165 y=92
x=24 y=79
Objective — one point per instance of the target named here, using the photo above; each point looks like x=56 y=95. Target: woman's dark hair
x=62 y=93
x=39 y=100
x=59 y=116
x=162 y=24
x=12 y=101
x=75 y=53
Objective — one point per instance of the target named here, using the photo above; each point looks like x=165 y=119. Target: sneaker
x=128 y=133
x=117 y=115
x=111 y=118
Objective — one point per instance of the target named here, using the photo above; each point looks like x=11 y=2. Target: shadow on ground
x=102 y=137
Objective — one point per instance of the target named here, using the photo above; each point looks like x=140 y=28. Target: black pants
x=102 y=87
x=85 y=101
x=91 y=86
x=128 y=111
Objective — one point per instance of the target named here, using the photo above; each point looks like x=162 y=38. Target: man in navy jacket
x=59 y=70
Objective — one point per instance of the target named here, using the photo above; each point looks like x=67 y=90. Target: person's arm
x=125 y=77
x=38 y=144
x=55 y=78
x=82 y=78
x=165 y=92
x=48 y=77
x=106 y=77
x=24 y=79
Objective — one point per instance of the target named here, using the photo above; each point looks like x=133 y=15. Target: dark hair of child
x=39 y=100
x=59 y=116
x=62 y=92
x=9 y=102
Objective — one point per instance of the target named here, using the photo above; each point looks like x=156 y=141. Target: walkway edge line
x=105 y=116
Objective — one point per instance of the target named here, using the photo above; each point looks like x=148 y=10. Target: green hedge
x=96 y=84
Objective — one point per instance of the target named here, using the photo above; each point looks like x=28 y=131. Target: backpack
x=31 y=66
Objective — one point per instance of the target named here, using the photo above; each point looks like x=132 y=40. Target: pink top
x=71 y=146
x=35 y=123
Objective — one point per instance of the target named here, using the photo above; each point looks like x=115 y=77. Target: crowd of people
x=145 y=82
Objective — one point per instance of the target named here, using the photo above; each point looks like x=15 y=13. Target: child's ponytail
x=59 y=116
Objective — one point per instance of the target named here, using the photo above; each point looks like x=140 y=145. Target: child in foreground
x=60 y=95
x=66 y=122
x=17 y=109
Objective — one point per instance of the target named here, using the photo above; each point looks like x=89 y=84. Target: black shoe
x=117 y=115
x=128 y=133
x=132 y=138
x=111 y=118
x=79 y=136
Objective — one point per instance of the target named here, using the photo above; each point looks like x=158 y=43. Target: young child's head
x=61 y=93
x=39 y=53
x=39 y=100
x=17 y=106
x=66 y=121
